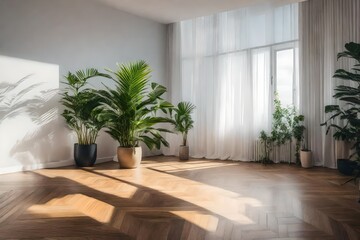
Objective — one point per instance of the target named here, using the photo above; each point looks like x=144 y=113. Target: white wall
x=44 y=39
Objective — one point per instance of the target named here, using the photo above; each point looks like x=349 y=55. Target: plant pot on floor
x=346 y=166
x=85 y=155
x=129 y=157
x=306 y=158
x=184 y=152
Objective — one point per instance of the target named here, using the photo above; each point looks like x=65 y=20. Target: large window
x=275 y=70
x=229 y=65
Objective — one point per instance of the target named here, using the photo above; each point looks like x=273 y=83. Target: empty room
x=169 y=119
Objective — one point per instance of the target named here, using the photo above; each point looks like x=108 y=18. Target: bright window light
x=285 y=76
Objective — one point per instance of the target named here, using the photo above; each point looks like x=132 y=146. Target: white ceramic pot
x=306 y=158
x=129 y=157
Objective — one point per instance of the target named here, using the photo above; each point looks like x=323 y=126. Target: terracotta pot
x=306 y=159
x=129 y=157
x=85 y=155
x=184 y=152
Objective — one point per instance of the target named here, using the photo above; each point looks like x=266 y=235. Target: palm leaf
x=182 y=120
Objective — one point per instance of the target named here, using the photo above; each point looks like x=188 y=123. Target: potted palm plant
x=348 y=126
x=130 y=111
x=81 y=115
x=183 y=122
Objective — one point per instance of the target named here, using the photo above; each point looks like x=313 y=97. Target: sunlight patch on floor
x=125 y=184
x=212 y=199
x=95 y=182
x=189 y=166
x=75 y=205
x=48 y=211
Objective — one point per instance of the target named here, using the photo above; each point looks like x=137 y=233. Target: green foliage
x=286 y=125
x=81 y=104
x=298 y=133
x=130 y=110
x=348 y=115
x=267 y=140
x=282 y=122
x=182 y=120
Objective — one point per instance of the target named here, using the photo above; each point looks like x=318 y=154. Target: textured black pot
x=346 y=166
x=85 y=155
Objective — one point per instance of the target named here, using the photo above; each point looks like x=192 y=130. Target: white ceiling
x=168 y=11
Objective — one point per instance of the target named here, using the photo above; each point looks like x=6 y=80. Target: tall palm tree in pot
x=130 y=111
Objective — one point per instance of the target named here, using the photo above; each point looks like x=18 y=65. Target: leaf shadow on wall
x=10 y=106
x=35 y=133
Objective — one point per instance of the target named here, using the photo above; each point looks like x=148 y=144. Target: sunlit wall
x=31 y=132
x=40 y=41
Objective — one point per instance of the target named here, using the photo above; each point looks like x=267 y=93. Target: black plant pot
x=346 y=166
x=85 y=155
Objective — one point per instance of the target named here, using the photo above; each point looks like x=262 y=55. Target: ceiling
x=169 y=11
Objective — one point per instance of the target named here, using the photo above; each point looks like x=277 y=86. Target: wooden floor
x=168 y=199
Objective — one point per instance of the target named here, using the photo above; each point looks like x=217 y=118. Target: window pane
x=285 y=76
x=261 y=66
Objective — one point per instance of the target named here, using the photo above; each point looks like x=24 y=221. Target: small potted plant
x=81 y=115
x=306 y=157
x=129 y=111
x=298 y=133
x=183 y=122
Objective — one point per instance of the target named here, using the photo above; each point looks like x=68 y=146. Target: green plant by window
x=268 y=141
x=182 y=120
x=286 y=125
x=298 y=130
x=282 y=122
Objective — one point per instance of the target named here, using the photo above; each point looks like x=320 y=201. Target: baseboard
x=63 y=163
x=36 y=166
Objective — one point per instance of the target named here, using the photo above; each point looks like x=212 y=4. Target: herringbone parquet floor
x=168 y=199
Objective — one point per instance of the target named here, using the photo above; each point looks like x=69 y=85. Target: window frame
x=281 y=47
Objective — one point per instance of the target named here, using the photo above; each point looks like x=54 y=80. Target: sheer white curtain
x=222 y=64
x=325 y=27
